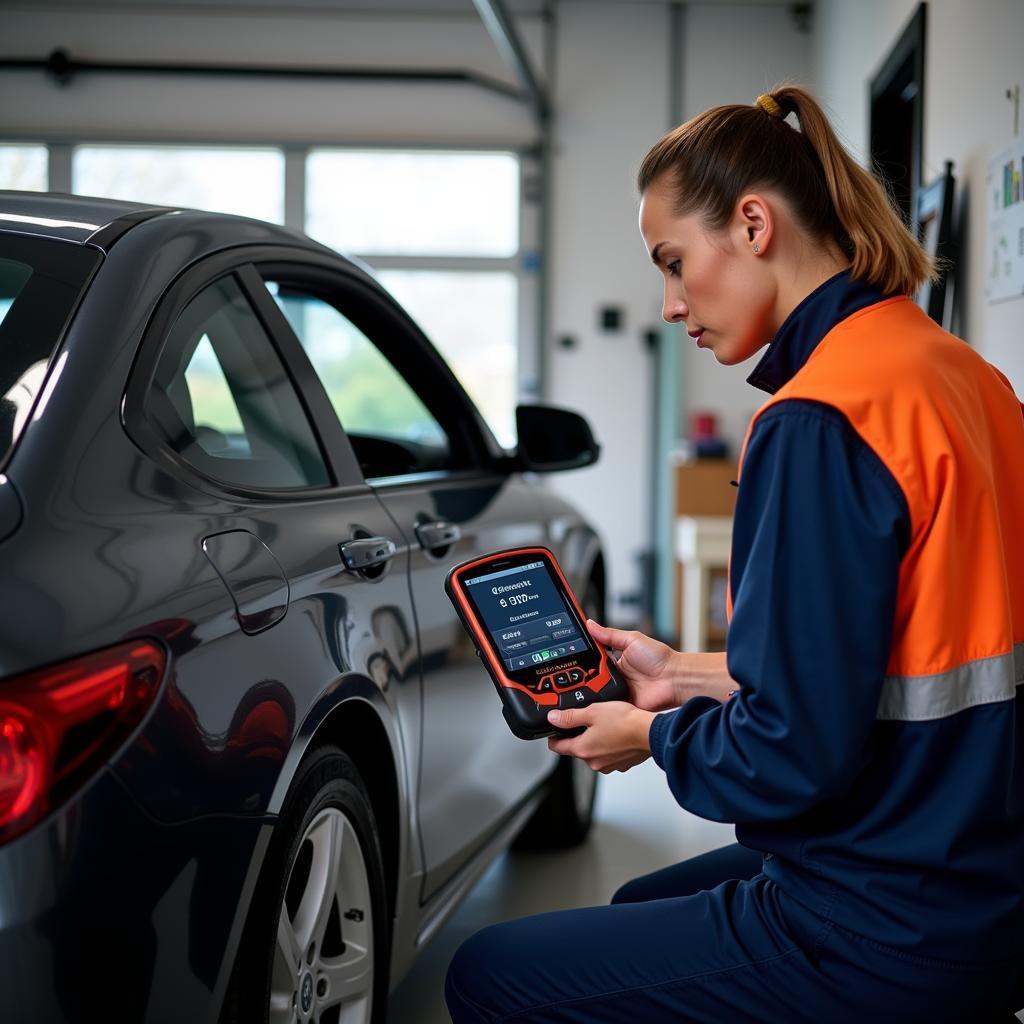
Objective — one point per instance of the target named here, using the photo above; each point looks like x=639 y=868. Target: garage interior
x=501 y=139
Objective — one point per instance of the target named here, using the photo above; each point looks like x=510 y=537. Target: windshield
x=40 y=281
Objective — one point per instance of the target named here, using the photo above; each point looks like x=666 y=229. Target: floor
x=638 y=828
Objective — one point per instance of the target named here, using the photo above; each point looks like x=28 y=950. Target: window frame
x=251 y=369
x=299 y=265
x=335 y=449
x=34 y=245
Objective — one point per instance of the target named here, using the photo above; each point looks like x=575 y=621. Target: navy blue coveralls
x=745 y=933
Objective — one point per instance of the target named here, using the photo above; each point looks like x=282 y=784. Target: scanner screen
x=526 y=616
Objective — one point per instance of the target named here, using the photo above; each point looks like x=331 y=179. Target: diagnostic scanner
x=531 y=635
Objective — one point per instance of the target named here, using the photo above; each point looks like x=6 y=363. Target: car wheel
x=316 y=946
x=565 y=816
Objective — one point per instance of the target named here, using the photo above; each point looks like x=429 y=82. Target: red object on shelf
x=703 y=425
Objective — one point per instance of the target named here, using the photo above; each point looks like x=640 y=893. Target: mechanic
x=864 y=729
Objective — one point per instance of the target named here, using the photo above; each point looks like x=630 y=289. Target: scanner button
x=545 y=684
x=561 y=679
x=575 y=676
x=573 y=699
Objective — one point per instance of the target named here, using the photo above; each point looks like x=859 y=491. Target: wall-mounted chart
x=1004 y=192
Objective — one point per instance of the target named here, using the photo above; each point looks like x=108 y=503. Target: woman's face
x=716 y=284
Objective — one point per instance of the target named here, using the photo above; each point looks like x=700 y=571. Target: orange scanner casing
x=572 y=681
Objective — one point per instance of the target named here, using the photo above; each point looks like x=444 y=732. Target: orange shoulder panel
x=951 y=433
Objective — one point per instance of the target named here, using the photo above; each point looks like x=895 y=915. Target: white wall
x=612 y=87
x=972 y=55
x=611 y=98
x=733 y=55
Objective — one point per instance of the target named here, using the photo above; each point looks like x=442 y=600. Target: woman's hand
x=646 y=664
x=660 y=678
x=616 y=736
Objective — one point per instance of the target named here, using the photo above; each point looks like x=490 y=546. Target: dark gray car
x=249 y=761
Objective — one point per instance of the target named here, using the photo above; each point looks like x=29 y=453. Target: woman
x=863 y=730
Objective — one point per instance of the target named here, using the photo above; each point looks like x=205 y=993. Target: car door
x=420 y=447
x=260 y=509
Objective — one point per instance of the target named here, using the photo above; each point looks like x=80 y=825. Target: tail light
x=60 y=724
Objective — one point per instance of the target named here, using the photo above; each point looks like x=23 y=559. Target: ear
x=754 y=221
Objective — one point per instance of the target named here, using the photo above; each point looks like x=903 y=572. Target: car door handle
x=439 y=534
x=366 y=552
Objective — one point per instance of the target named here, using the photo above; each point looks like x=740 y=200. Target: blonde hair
x=714 y=158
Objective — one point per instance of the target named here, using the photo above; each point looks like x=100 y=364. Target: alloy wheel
x=323 y=965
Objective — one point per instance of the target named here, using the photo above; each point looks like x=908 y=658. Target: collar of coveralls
x=810 y=320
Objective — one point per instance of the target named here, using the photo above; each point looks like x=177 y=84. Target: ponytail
x=716 y=157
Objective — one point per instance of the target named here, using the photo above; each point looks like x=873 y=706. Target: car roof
x=100 y=222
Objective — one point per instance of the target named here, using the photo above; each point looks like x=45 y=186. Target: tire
x=564 y=818
x=316 y=945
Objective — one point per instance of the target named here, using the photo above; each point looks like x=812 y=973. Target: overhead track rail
x=498 y=23
x=503 y=32
x=63 y=68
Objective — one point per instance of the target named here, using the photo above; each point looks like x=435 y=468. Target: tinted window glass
x=470 y=316
x=13 y=278
x=392 y=431
x=223 y=401
x=40 y=281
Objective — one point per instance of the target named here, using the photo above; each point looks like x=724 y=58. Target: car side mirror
x=552 y=439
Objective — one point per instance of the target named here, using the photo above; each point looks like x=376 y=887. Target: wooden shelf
x=702 y=490
x=703 y=544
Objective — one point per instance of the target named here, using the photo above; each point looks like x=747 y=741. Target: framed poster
x=1004 y=199
x=934 y=226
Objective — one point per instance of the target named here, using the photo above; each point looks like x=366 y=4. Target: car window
x=40 y=282
x=391 y=429
x=223 y=401
x=13 y=277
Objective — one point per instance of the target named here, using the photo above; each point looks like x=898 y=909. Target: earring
x=757 y=248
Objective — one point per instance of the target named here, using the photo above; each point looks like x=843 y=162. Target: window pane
x=40 y=281
x=212 y=402
x=471 y=319
x=391 y=430
x=249 y=182
x=23 y=167
x=232 y=411
x=414 y=204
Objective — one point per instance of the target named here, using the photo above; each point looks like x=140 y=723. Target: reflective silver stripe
x=921 y=698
